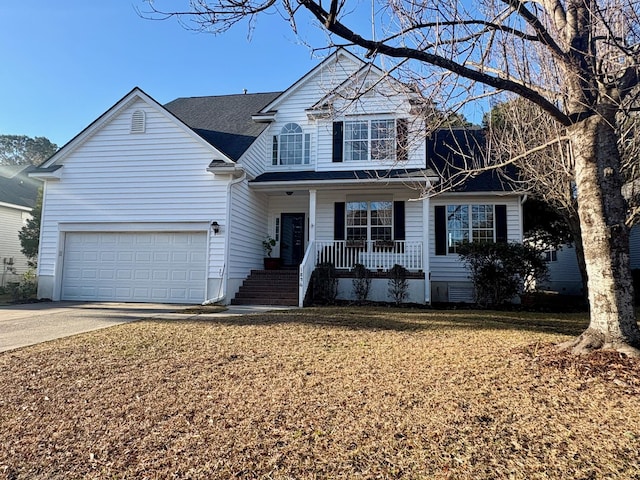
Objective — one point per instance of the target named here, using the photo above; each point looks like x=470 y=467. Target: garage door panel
x=135 y=266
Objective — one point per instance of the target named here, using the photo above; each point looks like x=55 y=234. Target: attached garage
x=164 y=267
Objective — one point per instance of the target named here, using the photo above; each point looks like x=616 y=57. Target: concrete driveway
x=23 y=325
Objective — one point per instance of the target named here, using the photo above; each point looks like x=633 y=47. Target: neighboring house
x=171 y=203
x=18 y=195
x=564 y=273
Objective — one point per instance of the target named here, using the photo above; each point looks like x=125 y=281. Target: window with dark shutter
x=398 y=220
x=402 y=141
x=440 y=227
x=274 y=151
x=338 y=220
x=501 y=223
x=337 y=141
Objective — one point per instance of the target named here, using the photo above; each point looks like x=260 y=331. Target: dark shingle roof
x=16 y=187
x=224 y=121
x=449 y=151
x=341 y=175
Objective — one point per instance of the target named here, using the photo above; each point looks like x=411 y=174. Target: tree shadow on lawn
x=398 y=319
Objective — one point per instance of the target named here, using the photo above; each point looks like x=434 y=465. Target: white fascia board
x=264 y=117
x=227 y=169
x=16 y=207
x=55 y=175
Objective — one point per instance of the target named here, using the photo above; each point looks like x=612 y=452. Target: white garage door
x=135 y=266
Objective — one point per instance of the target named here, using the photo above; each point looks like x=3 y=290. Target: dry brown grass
x=321 y=393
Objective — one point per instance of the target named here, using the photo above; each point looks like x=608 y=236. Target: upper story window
x=370 y=139
x=292 y=146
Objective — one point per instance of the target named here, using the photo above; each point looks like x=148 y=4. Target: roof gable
x=123 y=103
x=332 y=61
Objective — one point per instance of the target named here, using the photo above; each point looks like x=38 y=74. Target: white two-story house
x=154 y=203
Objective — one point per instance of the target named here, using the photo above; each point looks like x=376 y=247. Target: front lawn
x=321 y=393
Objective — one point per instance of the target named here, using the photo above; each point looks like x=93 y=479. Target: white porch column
x=426 y=205
x=312 y=215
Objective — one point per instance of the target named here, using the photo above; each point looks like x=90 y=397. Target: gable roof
x=16 y=188
x=334 y=57
x=135 y=93
x=224 y=121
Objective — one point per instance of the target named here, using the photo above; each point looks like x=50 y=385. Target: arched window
x=291 y=147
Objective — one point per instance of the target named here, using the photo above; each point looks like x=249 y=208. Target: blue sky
x=65 y=62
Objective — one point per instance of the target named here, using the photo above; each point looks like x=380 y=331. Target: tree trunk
x=576 y=232
x=605 y=238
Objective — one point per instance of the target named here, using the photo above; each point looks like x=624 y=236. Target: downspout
x=222 y=291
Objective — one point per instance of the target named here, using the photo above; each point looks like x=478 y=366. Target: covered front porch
x=374 y=223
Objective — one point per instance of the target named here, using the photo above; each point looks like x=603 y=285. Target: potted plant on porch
x=270 y=263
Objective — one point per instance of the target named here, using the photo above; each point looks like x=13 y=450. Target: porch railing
x=306 y=270
x=345 y=254
x=375 y=255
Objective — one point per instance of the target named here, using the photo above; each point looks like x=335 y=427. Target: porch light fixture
x=215 y=226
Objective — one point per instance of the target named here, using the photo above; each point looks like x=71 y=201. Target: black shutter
x=338 y=220
x=337 y=141
x=441 y=229
x=274 y=151
x=402 y=143
x=398 y=221
x=501 y=223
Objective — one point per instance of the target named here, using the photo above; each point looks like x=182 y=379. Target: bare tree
x=577 y=60
x=521 y=134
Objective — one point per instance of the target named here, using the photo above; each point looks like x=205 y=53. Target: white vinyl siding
x=119 y=178
x=12 y=221
x=247 y=230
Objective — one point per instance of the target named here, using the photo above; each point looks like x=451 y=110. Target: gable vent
x=138 y=122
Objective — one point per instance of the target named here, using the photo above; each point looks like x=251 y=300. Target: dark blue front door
x=292 y=242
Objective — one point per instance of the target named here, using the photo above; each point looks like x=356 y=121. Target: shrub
x=500 y=271
x=398 y=284
x=361 y=282
x=325 y=283
x=26 y=289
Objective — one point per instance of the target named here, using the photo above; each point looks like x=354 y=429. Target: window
x=469 y=223
x=369 y=220
x=551 y=255
x=369 y=140
x=292 y=146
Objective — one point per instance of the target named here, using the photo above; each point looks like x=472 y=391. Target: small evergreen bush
x=361 y=282
x=500 y=271
x=398 y=284
x=325 y=284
